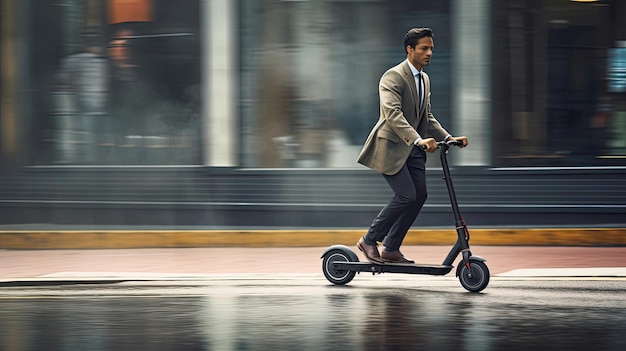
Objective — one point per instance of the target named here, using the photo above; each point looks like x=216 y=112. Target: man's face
x=420 y=56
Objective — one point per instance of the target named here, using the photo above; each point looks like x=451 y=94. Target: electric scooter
x=340 y=263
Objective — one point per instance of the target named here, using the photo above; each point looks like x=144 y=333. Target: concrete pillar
x=471 y=77
x=219 y=81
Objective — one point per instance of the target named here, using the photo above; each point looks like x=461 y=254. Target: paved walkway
x=25 y=264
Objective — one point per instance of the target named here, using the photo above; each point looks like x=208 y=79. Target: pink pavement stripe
x=32 y=263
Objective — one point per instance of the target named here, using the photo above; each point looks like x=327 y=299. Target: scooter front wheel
x=476 y=278
x=337 y=276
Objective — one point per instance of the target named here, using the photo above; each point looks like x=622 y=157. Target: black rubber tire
x=338 y=277
x=479 y=279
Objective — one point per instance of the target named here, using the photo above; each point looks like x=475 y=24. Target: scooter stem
x=462 y=243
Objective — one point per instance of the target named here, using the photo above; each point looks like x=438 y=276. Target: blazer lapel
x=411 y=78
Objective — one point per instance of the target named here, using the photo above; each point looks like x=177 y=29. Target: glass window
x=114 y=82
x=310 y=73
x=558 y=84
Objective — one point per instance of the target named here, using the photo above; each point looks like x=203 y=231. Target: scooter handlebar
x=449 y=143
x=445 y=143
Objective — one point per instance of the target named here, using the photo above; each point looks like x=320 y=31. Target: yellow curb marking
x=119 y=239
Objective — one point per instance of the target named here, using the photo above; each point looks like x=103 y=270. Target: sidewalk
x=29 y=264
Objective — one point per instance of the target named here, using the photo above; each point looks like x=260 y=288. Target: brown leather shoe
x=395 y=257
x=408 y=259
x=370 y=251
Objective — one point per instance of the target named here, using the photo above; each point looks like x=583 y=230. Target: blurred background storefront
x=102 y=81
x=559 y=94
x=276 y=83
x=252 y=112
x=310 y=72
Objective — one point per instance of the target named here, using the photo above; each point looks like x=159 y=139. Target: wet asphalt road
x=305 y=312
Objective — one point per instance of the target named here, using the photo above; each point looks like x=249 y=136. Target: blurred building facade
x=101 y=82
x=276 y=83
x=252 y=112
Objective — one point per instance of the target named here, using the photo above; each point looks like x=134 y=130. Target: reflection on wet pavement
x=322 y=318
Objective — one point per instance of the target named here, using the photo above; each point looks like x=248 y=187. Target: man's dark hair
x=414 y=35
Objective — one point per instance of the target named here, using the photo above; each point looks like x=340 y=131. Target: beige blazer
x=400 y=123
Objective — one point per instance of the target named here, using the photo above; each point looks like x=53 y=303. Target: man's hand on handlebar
x=428 y=144
x=462 y=140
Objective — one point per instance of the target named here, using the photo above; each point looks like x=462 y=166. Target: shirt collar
x=414 y=70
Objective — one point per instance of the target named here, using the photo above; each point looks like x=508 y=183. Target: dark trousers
x=395 y=219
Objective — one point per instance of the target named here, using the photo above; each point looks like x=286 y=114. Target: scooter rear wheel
x=336 y=276
x=479 y=276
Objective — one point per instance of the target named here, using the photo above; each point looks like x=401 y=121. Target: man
x=397 y=146
x=84 y=77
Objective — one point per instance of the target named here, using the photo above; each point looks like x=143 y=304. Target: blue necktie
x=419 y=89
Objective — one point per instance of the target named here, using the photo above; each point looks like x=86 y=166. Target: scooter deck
x=411 y=268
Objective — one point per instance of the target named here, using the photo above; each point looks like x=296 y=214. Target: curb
x=127 y=239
